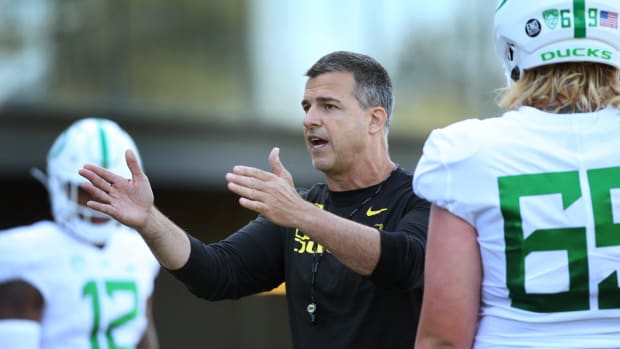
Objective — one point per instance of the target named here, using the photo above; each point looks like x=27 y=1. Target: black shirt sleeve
x=247 y=262
x=403 y=238
x=401 y=263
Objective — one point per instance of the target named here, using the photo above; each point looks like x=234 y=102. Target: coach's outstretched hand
x=129 y=201
x=271 y=194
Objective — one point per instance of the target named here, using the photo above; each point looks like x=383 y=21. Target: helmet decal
x=533 y=28
x=551 y=18
x=533 y=34
x=609 y=19
x=104 y=145
x=579 y=10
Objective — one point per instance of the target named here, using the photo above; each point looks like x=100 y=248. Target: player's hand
x=271 y=194
x=129 y=201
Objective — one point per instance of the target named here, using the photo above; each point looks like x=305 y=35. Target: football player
x=82 y=281
x=524 y=234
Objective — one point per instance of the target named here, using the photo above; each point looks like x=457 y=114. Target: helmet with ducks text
x=530 y=34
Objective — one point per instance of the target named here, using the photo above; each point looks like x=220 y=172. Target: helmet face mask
x=95 y=141
x=530 y=34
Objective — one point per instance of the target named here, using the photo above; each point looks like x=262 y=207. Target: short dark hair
x=373 y=86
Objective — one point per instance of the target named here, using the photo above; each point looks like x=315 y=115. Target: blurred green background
x=205 y=85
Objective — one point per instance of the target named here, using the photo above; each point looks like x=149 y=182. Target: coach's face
x=335 y=125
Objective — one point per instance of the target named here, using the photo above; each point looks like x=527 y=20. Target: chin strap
x=20 y=334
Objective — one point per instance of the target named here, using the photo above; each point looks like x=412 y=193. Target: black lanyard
x=316 y=258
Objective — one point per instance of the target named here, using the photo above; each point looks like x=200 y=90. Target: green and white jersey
x=543 y=192
x=93 y=298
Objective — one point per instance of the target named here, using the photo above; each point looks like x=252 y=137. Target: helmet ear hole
x=515 y=74
x=510 y=53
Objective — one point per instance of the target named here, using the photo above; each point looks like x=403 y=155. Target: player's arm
x=149 y=339
x=21 y=309
x=451 y=283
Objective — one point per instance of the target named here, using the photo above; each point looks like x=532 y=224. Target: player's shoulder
x=123 y=239
x=34 y=244
x=126 y=233
x=451 y=148
x=464 y=138
x=38 y=233
x=460 y=132
x=128 y=238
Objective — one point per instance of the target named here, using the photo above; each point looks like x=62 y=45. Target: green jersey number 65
x=570 y=239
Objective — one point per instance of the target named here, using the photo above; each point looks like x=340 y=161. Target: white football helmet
x=529 y=34
x=95 y=141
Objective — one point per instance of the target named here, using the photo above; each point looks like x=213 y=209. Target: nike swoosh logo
x=371 y=213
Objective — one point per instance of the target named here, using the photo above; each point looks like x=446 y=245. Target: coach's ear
x=378 y=118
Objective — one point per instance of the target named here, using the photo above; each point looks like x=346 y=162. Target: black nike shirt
x=379 y=311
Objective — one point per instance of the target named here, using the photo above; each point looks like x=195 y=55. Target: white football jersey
x=93 y=298
x=543 y=192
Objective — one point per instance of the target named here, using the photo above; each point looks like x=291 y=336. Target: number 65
x=572 y=240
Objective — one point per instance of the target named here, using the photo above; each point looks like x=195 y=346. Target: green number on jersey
x=601 y=182
x=569 y=239
x=111 y=287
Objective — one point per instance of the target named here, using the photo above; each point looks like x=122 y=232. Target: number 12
x=111 y=287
